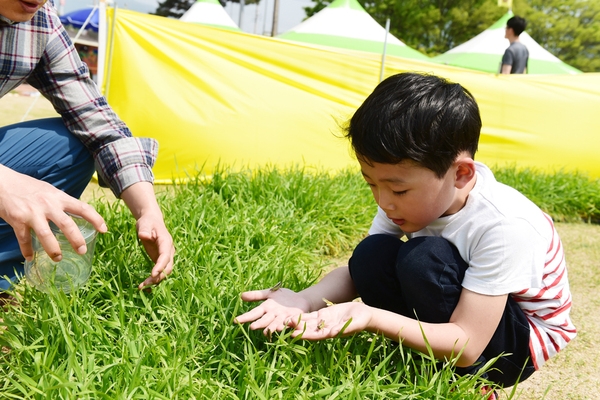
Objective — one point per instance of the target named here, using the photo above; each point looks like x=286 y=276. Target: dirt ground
x=573 y=374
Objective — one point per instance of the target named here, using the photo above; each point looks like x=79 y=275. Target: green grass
x=236 y=232
x=566 y=196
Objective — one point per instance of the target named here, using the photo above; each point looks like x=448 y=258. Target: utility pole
x=275 y=18
x=242 y=4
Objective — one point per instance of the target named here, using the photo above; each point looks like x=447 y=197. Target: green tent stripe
x=549 y=67
x=209 y=2
x=354 y=44
x=501 y=23
x=480 y=62
x=229 y=28
x=352 y=4
x=491 y=62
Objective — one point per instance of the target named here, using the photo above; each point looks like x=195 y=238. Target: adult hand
x=28 y=204
x=151 y=230
x=158 y=244
x=274 y=313
x=329 y=322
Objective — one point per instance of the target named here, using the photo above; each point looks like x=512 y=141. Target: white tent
x=484 y=53
x=209 y=12
x=346 y=24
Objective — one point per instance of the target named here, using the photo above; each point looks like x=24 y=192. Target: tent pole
x=110 y=52
x=85 y=23
x=241 y=15
x=275 y=18
x=101 y=44
x=387 y=31
x=264 y=31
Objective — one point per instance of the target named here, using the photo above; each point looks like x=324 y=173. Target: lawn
x=250 y=230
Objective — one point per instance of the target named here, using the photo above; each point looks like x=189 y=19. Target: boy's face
x=20 y=10
x=412 y=196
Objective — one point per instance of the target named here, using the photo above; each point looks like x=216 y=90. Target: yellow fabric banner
x=219 y=97
x=505 y=3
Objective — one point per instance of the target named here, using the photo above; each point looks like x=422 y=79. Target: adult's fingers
x=87 y=212
x=64 y=218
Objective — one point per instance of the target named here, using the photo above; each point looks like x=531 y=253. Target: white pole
x=275 y=18
x=102 y=31
x=110 y=51
x=255 y=18
x=387 y=30
x=264 y=32
x=241 y=16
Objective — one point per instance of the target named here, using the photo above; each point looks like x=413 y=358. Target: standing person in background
x=514 y=60
x=46 y=164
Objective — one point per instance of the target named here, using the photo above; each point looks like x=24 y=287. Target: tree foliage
x=173 y=8
x=176 y=8
x=430 y=26
x=569 y=29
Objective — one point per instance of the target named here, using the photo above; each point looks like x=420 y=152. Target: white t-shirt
x=511 y=247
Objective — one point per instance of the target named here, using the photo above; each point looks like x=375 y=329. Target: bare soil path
x=575 y=372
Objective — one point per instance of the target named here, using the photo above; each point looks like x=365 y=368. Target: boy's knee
x=372 y=269
x=432 y=264
x=429 y=252
x=375 y=251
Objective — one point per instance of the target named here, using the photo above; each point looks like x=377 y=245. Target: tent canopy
x=82 y=25
x=209 y=12
x=484 y=53
x=86 y=18
x=217 y=97
x=346 y=24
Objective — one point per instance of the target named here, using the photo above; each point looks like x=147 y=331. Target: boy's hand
x=271 y=316
x=329 y=322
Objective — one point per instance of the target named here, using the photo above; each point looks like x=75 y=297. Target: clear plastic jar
x=73 y=271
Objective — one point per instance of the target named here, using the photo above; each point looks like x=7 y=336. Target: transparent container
x=73 y=271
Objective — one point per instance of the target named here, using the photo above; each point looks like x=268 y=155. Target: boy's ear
x=465 y=171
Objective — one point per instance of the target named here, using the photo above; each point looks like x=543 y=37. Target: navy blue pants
x=43 y=149
x=422 y=278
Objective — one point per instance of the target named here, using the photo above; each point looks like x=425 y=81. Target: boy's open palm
x=271 y=315
x=330 y=322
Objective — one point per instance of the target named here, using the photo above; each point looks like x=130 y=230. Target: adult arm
x=123 y=162
x=507 y=62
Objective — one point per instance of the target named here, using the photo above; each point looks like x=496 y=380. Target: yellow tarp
x=212 y=96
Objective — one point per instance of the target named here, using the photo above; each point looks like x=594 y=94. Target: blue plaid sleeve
x=41 y=53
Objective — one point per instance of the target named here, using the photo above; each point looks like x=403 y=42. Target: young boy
x=483 y=269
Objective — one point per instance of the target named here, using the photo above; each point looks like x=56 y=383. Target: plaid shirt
x=40 y=53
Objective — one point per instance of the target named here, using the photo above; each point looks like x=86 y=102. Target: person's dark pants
x=422 y=278
x=43 y=149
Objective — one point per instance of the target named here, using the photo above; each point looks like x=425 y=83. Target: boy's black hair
x=418 y=117
x=517 y=24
